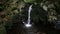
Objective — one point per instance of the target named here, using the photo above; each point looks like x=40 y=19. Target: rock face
x=19 y=28
x=38 y=18
x=40 y=15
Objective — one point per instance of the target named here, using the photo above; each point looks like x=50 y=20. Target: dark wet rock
x=38 y=18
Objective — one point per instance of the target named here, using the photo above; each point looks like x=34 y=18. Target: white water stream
x=29 y=11
x=28 y=21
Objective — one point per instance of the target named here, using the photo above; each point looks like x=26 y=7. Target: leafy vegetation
x=9 y=9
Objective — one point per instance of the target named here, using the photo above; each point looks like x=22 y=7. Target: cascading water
x=29 y=11
x=28 y=22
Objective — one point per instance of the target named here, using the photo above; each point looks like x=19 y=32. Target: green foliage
x=11 y=5
x=2 y=29
x=29 y=1
x=1 y=7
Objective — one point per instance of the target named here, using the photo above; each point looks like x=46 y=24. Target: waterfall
x=29 y=11
x=28 y=21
